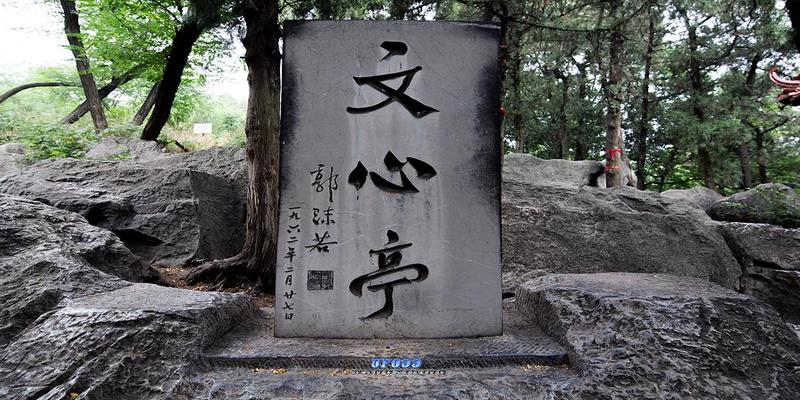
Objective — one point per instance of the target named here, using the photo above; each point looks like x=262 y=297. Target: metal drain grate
x=431 y=362
x=252 y=345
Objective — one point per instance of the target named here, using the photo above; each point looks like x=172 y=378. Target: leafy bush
x=54 y=141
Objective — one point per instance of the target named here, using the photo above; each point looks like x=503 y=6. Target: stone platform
x=253 y=345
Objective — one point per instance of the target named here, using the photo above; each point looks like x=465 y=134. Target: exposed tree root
x=221 y=274
x=229 y=273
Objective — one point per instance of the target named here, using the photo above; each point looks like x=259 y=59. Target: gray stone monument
x=390 y=181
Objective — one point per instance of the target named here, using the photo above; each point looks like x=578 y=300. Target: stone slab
x=390 y=181
x=521 y=344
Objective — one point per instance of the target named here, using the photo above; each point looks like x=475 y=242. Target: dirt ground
x=175 y=277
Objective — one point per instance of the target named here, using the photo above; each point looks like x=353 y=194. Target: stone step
x=253 y=345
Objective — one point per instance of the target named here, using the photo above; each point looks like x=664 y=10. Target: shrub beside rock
x=768 y=203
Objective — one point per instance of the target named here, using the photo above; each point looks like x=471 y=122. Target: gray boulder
x=525 y=168
x=768 y=203
x=137 y=342
x=47 y=255
x=11 y=157
x=123 y=148
x=170 y=210
x=223 y=162
x=69 y=326
x=636 y=336
x=584 y=230
x=701 y=197
x=770 y=258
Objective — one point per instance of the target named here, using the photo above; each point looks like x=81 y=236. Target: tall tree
x=73 y=30
x=613 y=96
x=202 y=15
x=256 y=261
x=699 y=89
x=643 y=129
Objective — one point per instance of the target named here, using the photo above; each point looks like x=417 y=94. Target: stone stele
x=390 y=181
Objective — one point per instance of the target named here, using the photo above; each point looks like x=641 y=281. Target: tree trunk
x=644 y=112
x=104 y=92
x=5 y=96
x=704 y=161
x=706 y=167
x=398 y=9
x=581 y=150
x=519 y=131
x=508 y=44
x=744 y=162
x=743 y=152
x=257 y=258
x=667 y=168
x=182 y=45
x=562 y=146
x=324 y=9
x=147 y=105
x=760 y=159
x=613 y=92
x=793 y=7
x=73 y=31
x=515 y=109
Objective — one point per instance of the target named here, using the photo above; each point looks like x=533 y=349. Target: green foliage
x=55 y=141
x=23 y=118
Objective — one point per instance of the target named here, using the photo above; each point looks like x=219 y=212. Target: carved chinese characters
x=389 y=223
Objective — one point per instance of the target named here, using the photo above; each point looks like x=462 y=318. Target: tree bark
x=581 y=150
x=182 y=45
x=644 y=112
x=793 y=7
x=743 y=152
x=398 y=9
x=613 y=93
x=562 y=145
x=668 y=166
x=516 y=112
x=744 y=161
x=760 y=159
x=147 y=105
x=704 y=161
x=104 y=92
x=324 y=9
x=508 y=44
x=73 y=31
x=257 y=258
x=5 y=96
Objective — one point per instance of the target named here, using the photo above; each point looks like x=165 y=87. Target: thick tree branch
x=5 y=96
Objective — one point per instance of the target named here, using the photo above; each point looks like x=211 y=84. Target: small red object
x=502 y=111
x=611 y=153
